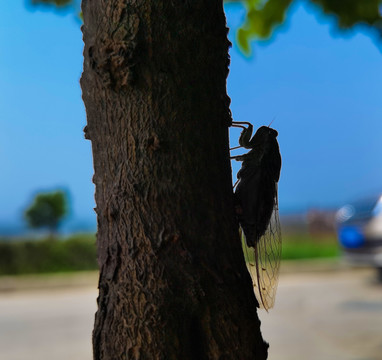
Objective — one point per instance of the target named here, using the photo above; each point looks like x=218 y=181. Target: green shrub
x=77 y=252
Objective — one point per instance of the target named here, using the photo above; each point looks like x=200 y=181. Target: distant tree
x=47 y=211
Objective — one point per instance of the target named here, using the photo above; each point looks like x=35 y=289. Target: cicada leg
x=246 y=134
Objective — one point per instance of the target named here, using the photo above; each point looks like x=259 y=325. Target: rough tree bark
x=173 y=283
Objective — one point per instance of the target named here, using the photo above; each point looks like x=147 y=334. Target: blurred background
x=319 y=85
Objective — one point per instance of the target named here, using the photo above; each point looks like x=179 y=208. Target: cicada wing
x=263 y=261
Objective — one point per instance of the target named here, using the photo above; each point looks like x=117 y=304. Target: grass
x=304 y=246
x=78 y=253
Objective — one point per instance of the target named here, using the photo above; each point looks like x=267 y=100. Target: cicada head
x=264 y=134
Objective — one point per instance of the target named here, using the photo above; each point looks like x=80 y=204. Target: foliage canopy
x=264 y=16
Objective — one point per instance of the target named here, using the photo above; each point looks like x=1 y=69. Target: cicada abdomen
x=263 y=261
x=256 y=206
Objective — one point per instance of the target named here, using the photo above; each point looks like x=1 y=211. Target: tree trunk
x=173 y=282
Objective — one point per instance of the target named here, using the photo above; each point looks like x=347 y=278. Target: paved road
x=326 y=316
x=47 y=325
x=318 y=316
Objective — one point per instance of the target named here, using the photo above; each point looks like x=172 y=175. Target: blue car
x=359 y=227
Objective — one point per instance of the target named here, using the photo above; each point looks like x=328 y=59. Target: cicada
x=256 y=206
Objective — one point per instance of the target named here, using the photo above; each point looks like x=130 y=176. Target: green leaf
x=264 y=16
x=353 y=12
x=261 y=20
x=58 y=3
x=242 y=40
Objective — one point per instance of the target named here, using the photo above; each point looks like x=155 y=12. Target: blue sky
x=324 y=92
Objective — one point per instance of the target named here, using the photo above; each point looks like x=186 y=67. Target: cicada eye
x=273 y=132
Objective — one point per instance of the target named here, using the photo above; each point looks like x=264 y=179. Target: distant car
x=359 y=227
